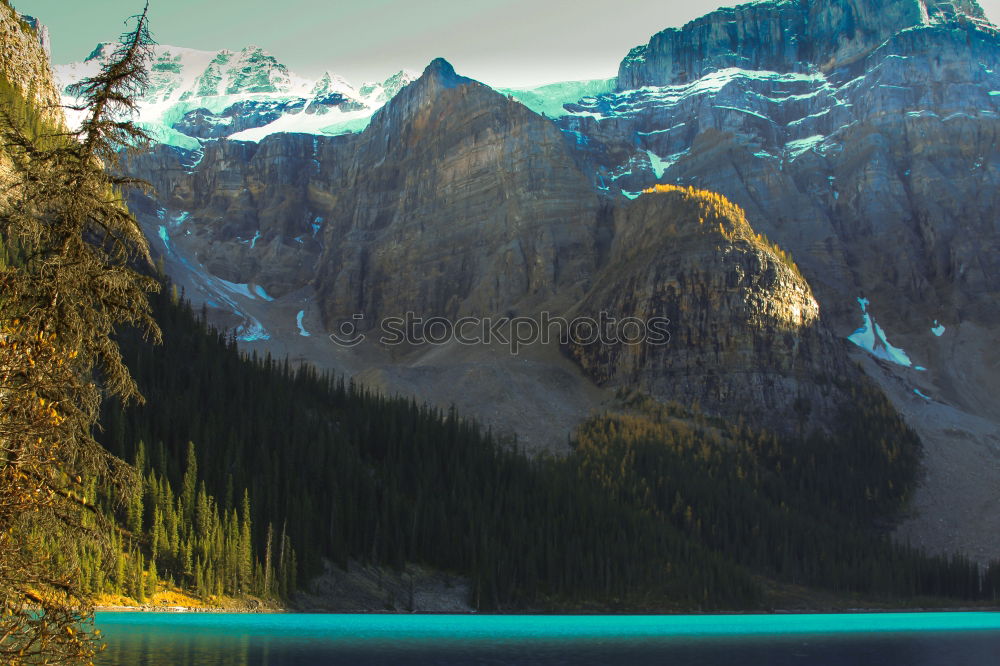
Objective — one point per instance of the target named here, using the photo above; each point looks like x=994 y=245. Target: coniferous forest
x=280 y=468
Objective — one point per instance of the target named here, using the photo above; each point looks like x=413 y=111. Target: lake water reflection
x=815 y=639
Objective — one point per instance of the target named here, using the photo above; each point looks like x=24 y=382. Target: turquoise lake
x=857 y=639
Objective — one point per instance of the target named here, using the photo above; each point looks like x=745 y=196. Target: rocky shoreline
x=146 y=608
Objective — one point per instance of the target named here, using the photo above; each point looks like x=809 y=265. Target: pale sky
x=501 y=42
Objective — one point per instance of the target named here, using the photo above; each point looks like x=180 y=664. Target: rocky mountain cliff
x=25 y=74
x=457 y=201
x=449 y=163
x=24 y=61
x=746 y=332
x=785 y=36
x=843 y=160
x=862 y=137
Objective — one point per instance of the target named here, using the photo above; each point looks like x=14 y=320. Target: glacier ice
x=165 y=237
x=251 y=330
x=746 y=111
x=550 y=99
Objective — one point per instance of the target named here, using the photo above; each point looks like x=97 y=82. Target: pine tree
x=266 y=588
x=68 y=280
x=151 y=578
x=246 y=546
x=189 y=486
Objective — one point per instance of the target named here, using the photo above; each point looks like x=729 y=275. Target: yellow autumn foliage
x=731 y=220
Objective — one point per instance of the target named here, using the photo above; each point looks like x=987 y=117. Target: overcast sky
x=500 y=42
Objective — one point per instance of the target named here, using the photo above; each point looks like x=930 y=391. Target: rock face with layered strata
x=457 y=201
x=24 y=61
x=25 y=74
x=786 y=36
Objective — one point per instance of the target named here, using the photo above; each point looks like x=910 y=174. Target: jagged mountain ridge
x=779 y=124
x=874 y=161
x=246 y=94
x=479 y=174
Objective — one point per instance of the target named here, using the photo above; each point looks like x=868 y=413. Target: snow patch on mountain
x=302 y=123
x=872 y=338
x=251 y=330
x=800 y=146
x=217 y=289
x=661 y=164
x=298 y=322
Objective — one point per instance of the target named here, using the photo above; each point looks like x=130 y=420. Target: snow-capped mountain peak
x=196 y=95
x=381 y=92
x=333 y=84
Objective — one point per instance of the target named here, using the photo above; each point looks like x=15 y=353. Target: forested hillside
x=353 y=475
x=658 y=507
x=170 y=544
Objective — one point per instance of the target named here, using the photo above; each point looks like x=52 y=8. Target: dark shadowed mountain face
x=859 y=135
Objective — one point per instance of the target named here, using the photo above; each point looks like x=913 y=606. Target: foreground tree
x=67 y=279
